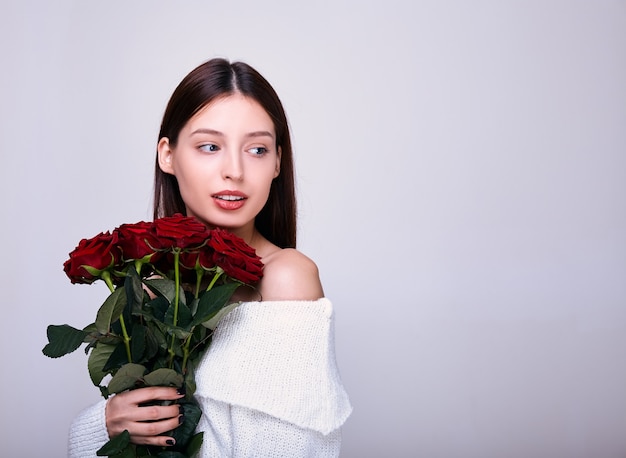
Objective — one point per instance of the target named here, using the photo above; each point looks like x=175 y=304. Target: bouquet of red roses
x=170 y=281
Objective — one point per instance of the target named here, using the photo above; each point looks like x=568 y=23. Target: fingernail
x=181 y=419
x=170 y=442
x=181 y=409
x=182 y=390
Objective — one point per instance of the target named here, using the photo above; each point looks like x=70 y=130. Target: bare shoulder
x=290 y=275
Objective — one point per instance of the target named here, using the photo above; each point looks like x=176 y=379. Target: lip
x=228 y=192
x=229 y=200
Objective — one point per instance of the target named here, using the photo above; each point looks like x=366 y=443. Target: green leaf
x=134 y=289
x=212 y=302
x=104 y=391
x=164 y=377
x=95 y=337
x=144 y=451
x=213 y=322
x=91 y=328
x=158 y=306
x=126 y=378
x=193 y=448
x=190 y=379
x=166 y=288
x=180 y=333
x=171 y=454
x=116 y=445
x=63 y=339
x=117 y=359
x=130 y=452
x=138 y=342
x=159 y=332
x=152 y=342
x=111 y=310
x=193 y=305
x=191 y=417
x=199 y=335
x=184 y=315
x=98 y=357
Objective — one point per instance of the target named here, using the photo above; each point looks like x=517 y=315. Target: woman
x=268 y=385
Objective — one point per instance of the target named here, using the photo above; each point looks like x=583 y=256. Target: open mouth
x=229 y=198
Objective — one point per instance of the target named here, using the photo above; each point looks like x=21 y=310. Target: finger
x=154 y=428
x=155 y=413
x=153 y=393
x=161 y=441
x=123 y=414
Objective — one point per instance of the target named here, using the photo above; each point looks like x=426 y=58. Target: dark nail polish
x=181 y=419
x=181 y=409
x=182 y=390
x=170 y=442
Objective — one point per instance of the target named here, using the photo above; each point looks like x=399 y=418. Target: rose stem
x=199 y=276
x=176 y=299
x=217 y=275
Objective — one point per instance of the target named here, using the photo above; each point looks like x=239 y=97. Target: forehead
x=233 y=112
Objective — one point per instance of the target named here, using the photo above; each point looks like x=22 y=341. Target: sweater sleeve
x=269 y=384
x=88 y=432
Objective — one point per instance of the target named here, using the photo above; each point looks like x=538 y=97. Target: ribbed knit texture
x=278 y=358
x=268 y=386
x=88 y=432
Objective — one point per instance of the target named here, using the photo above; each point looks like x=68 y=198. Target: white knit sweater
x=268 y=387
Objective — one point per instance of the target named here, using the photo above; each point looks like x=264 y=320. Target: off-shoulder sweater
x=268 y=387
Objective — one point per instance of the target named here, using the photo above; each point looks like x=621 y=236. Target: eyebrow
x=258 y=133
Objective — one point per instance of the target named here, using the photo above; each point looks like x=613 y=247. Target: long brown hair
x=218 y=78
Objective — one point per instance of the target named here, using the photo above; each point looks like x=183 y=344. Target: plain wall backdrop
x=461 y=171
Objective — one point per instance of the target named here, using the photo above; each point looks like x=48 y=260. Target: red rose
x=238 y=259
x=180 y=231
x=206 y=257
x=98 y=253
x=188 y=259
x=137 y=240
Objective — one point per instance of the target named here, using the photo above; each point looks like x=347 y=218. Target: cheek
x=266 y=175
x=190 y=187
x=266 y=185
x=189 y=175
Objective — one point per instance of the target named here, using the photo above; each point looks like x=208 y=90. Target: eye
x=258 y=150
x=209 y=148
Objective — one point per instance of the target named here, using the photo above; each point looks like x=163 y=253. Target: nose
x=232 y=167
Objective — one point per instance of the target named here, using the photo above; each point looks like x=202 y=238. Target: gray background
x=462 y=174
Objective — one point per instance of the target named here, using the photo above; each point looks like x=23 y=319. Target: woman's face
x=224 y=162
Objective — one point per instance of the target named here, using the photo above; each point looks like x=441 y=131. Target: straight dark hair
x=219 y=78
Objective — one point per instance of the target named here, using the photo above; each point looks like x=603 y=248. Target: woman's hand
x=145 y=423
